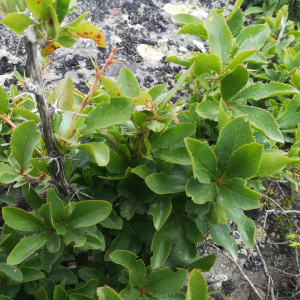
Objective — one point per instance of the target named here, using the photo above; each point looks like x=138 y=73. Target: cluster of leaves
x=163 y=174
x=47 y=16
x=269 y=7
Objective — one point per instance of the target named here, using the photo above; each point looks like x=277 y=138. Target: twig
x=297 y=259
x=92 y=91
x=9 y=122
x=268 y=277
x=283 y=211
x=281 y=34
x=35 y=71
x=244 y=275
x=283 y=272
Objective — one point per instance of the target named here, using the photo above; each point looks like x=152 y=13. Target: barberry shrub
x=122 y=184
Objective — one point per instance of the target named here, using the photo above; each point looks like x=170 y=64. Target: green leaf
x=112 y=221
x=160 y=209
x=166 y=282
x=239 y=58
x=235 y=22
x=245 y=225
x=197 y=288
x=127 y=83
x=87 y=274
x=164 y=98
x=18 y=219
x=261 y=120
x=41 y=294
x=219 y=35
x=191 y=230
x=220 y=234
x=121 y=242
x=174 y=136
x=157 y=90
x=33 y=198
x=53 y=244
x=61 y=8
x=128 y=208
x=234 y=135
x=223 y=117
x=256 y=32
x=26 y=114
x=60 y=273
x=111 y=88
x=201 y=193
x=89 y=213
x=135 y=268
x=52 y=24
x=88 y=289
x=234 y=193
x=26 y=247
x=163 y=183
x=57 y=206
x=216 y=214
x=23 y=140
x=77 y=21
x=119 y=110
x=3 y=101
x=258 y=91
x=288 y=116
x=206 y=63
x=193 y=208
x=176 y=60
x=232 y=83
x=156 y=126
x=5 y=298
x=48 y=259
x=66 y=41
x=185 y=250
x=204 y=161
x=162 y=241
x=38 y=9
x=183 y=19
x=253 y=10
x=9 y=200
x=99 y=151
x=63 y=94
x=31 y=274
x=89 y=31
x=107 y=293
x=204 y=263
x=194 y=29
x=17 y=22
x=208 y=110
x=295 y=79
x=177 y=155
x=59 y=293
x=272 y=163
x=79 y=297
x=116 y=164
x=7 y=174
x=10 y=272
x=245 y=161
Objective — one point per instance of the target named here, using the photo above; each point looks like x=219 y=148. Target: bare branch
x=268 y=277
x=35 y=71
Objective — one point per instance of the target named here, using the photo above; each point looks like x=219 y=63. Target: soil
x=130 y=24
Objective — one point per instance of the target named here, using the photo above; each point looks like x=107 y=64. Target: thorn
x=94 y=64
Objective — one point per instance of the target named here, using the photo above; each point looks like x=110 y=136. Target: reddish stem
x=8 y=121
x=92 y=91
